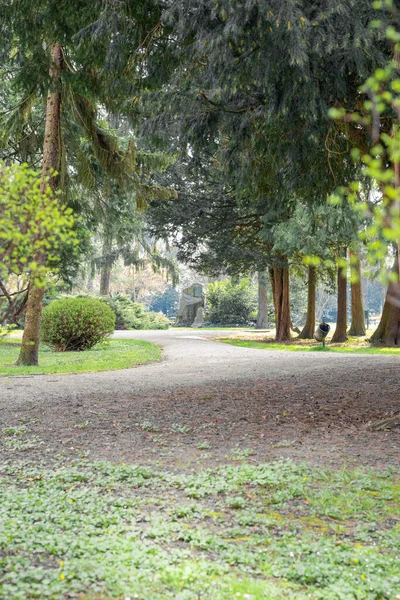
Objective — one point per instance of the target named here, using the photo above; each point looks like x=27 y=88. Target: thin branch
x=9 y=110
x=228 y=110
x=7 y=294
x=149 y=38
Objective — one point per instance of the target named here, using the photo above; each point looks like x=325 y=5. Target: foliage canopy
x=33 y=225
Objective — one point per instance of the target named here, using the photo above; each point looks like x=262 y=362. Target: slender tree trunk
x=357 y=327
x=388 y=331
x=396 y=205
x=308 y=330
x=105 y=276
x=341 y=323
x=51 y=156
x=134 y=282
x=280 y=290
x=262 y=314
x=90 y=283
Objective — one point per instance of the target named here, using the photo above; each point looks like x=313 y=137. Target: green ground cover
x=348 y=348
x=99 y=530
x=107 y=356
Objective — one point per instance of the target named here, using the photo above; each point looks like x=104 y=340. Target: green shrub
x=157 y=320
x=131 y=315
x=230 y=302
x=74 y=324
x=128 y=314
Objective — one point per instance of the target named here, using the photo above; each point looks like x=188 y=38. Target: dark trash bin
x=321 y=332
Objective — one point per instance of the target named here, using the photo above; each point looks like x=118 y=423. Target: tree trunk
x=134 y=283
x=105 y=281
x=262 y=314
x=51 y=155
x=388 y=331
x=280 y=290
x=308 y=330
x=357 y=327
x=90 y=283
x=341 y=322
x=105 y=276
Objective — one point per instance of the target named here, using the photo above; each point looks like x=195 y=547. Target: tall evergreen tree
x=251 y=96
x=80 y=55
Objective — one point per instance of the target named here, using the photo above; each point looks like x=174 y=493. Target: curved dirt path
x=206 y=401
x=192 y=358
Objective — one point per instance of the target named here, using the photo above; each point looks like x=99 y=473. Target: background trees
x=248 y=107
x=229 y=106
x=73 y=56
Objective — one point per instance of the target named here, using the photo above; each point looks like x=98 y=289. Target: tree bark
x=341 y=322
x=134 y=283
x=105 y=276
x=388 y=330
x=280 y=290
x=105 y=281
x=357 y=327
x=262 y=314
x=308 y=330
x=90 y=283
x=29 y=354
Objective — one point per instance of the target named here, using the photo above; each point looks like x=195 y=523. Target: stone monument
x=192 y=299
x=199 y=320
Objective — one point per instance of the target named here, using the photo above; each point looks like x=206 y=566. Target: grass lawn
x=350 y=347
x=206 y=328
x=107 y=356
x=277 y=530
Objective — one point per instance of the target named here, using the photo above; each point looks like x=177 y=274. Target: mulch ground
x=321 y=422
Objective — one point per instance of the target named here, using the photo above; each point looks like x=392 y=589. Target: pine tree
x=251 y=98
x=80 y=55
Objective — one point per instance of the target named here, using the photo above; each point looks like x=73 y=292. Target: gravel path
x=209 y=395
x=192 y=358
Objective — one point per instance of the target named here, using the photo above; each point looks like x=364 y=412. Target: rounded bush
x=75 y=324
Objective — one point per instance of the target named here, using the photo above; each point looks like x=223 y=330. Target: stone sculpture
x=192 y=298
x=199 y=320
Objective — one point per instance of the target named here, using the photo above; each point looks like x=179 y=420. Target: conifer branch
x=23 y=101
x=223 y=107
x=149 y=38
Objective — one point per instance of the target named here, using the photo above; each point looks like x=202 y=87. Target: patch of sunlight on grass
x=310 y=347
x=108 y=356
